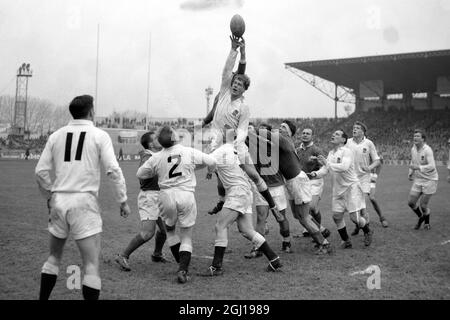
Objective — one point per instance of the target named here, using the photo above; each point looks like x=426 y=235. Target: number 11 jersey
x=75 y=153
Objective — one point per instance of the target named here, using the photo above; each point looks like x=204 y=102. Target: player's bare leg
x=250 y=170
x=221 y=192
x=50 y=269
x=185 y=254
x=315 y=214
x=412 y=203
x=338 y=218
x=376 y=207
x=160 y=239
x=245 y=226
x=423 y=207
x=262 y=213
x=303 y=216
x=90 y=254
x=362 y=223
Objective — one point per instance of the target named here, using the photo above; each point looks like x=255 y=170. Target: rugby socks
x=185 y=260
x=417 y=211
x=176 y=251
x=48 y=282
x=426 y=215
x=316 y=215
x=135 y=243
x=268 y=252
x=49 y=274
x=218 y=256
x=160 y=239
x=343 y=233
x=366 y=228
x=91 y=287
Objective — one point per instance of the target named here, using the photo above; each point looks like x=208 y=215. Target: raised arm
x=227 y=73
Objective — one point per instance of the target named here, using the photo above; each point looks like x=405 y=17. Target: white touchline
x=445 y=242
x=208 y=257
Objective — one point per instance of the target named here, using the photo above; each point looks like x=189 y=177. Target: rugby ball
x=237 y=26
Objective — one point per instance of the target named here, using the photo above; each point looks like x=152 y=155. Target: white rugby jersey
x=75 y=152
x=342 y=167
x=364 y=152
x=175 y=167
x=230 y=114
x=230 y=173
x=425 y=160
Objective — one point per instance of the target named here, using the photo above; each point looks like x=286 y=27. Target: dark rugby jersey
x=289 y=164
x=304 y=154
x=147 y=184
x=262 y=160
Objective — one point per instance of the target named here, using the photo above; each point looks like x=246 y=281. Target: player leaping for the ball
x=175 y=166
x=233 y=113
x=237 y=207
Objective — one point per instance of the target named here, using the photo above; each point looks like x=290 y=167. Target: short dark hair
x=80 y=106
x=166 y=137
x=243 y=77
x=362 y=125
x=344 y=135
x=146 y=139
x=422 y=133
x=291 y=126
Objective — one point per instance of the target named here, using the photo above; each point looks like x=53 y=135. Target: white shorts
x=299 y=189
x=424 y=186
x=278 y=194
x=148 y=204
x=74 y=213
x=365 y=183
x=239 y=199
x=351 y=200
x=178 y=205
x=316 y=187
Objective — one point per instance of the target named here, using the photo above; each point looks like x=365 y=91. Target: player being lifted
x=209 y=117
x=308 y=153
x=148 y=200
x=233 y=113
x=423 y=173
x=364 y=152
x=237 y=207
x=297 y=183
x=347 y=192
x=175 y=166
x=275 y=182
x=75 y=152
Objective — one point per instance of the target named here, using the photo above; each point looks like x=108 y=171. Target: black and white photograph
x=223 y=155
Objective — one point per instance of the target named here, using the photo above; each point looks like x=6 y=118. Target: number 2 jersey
x=75 y=153
x=175 y=167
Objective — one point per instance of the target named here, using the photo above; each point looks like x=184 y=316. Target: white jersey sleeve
x=43 y=168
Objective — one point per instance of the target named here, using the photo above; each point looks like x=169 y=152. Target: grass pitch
x=414 y=264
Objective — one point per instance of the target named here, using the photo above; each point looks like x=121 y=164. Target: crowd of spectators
x=391 y=131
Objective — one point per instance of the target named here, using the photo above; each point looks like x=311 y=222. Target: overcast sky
x=189 y=45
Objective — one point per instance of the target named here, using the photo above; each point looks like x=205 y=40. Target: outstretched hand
x=235 y=43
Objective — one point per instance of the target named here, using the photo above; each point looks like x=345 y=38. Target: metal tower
x=20 y=107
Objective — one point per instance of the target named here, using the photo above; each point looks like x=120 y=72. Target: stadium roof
x=406 y=72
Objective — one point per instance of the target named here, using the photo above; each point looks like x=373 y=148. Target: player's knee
x=147 y=234
x=170 y=228
x=50 y=267
x=284 y=233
